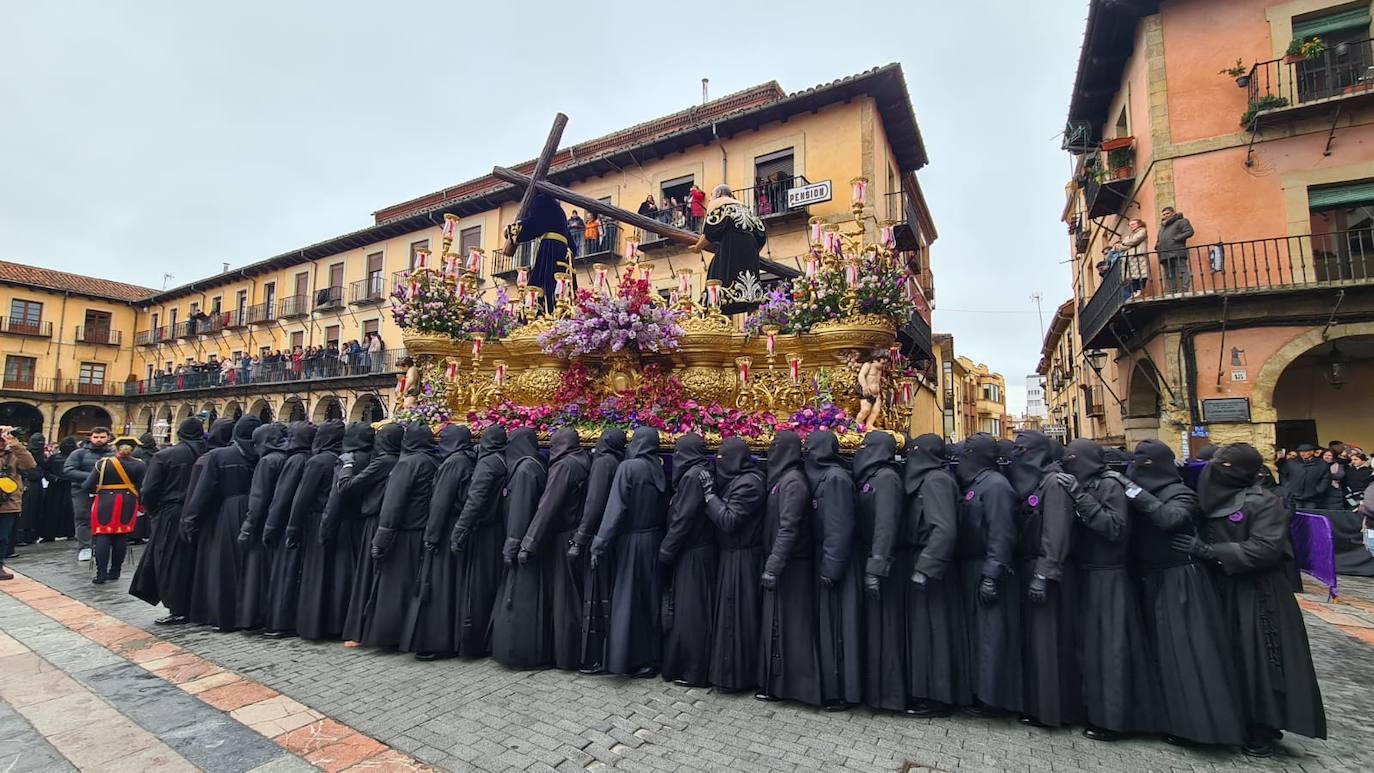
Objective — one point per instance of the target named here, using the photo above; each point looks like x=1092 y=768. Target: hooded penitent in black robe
x=269 y=441
x=1198 y=689
x=167 y=567
x=214 y=513
x=430 y=627
x=283 y=584
x=789 y=664
x=735 y=505
x=367 y=485
x=937 y=628
x=597 y=580
x=319 y=610
x=57 y=519
x=548 y=536
x=341 y=525
x=1245 y=536
x=888 y=550
x=984 y=555
x=1113 y=658
x=1049 y=583
x=839 y=622
x=631 y=531
x=522 y=619
x=687 y=562
x=31 y=503
x=476 y=541
x=398 y=544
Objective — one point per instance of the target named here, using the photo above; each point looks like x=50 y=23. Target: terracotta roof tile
x=61 y=281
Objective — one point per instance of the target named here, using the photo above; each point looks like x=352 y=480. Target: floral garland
x=431 y=407
x=429 y=305
x=631 y=320
x=823 y=296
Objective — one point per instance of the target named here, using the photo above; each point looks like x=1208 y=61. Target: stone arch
x=143 y=421
x=368 y=407
x=211 y=411
x=293 y=409
x=326 y=408
x=233 y=409
x=80 y=419
x=1143 y=392
x=184 y=411
x=1262 y=393
x=20 y=414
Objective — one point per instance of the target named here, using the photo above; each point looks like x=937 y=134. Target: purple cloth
x=1314 y=547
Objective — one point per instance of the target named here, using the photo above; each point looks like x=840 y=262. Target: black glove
x=1146 y=502
x=430 y=547
x=827 y=582
x=507 y=559
x=1038 y=592
x=270 y=536
x=293 y=540
x=708 y=482
x=377 y=553
x=872 y=586
x=1069 y=482
x=596 y=560
x=187 y=533
x=1187 y=543
x=987 y=591
x=244 y=538
x=523 y=557
x=458 y=541
x=574 y=550
x=769 y=581
x=919 y=579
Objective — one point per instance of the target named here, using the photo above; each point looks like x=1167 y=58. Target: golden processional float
x=620 y=354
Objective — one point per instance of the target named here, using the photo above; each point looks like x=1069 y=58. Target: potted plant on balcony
x=1238 y=71
x=1266 y=102
x=1118 y=143
x=1299 y=49
x=1122 y=162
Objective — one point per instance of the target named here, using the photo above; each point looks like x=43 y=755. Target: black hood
x=879 y=449
x=146 y=440
x=821 y=453
x=243 y=436
x=418 y=439
x=1056 y=450
x=689 y=452
x=268 y=438
x=565 y=443
x=523 y=444
x=1233 y=469
x=358 y=436
x=328 y=438
x=923 y=454
x=35 y=442
x=388 y=439
x=67 y=446
x=1207 y=452
x=1152 y=466
x=493 y=441
x=301 y=437
x=221 y=433
x=784 y=454
x=612 y=443
x=1083 y=459
x=1006 y=451
x=980 y=453
x=1032 y=457
x=454 y=438
x=733 y=460
x=191 y=429
x=644 y=445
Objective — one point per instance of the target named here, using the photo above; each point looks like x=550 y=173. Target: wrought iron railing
x=215 y=376
x=1229 y=268
x=769 y=199
x=329 y=297
x=605 y=246
x=99 y=334
x=62 y=386
x=149 y=337
x=369 y=290
x=25 y=327
x=262 y=313
x=292 y=306
x=1342 y=69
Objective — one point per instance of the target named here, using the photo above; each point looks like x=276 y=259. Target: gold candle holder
x=794 y=363
x=713 y=291
x=770 y=333
x=743 y=365
x=477 y=340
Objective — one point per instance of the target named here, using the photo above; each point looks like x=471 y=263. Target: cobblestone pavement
x=462 y=715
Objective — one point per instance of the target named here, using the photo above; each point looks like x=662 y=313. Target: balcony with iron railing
x=234 y=319
x=151 y=337
x=262 y=313
x=1108 y=177
x=1296 y=85
x=102 y=335
x=604 y=248
x=185 y=329
x=898 y=208
x=292 y=307
x=1261 y=266
x=21 y=326
x=214 y=376
x=768 y=199
x=327 y=298
x=369 y=291
x=915 y=337
x=62 y=386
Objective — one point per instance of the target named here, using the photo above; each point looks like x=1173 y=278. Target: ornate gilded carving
x=708 y=385
x=534 y=386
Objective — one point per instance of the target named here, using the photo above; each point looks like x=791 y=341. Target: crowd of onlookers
x=348 y=358
x=1332 y=478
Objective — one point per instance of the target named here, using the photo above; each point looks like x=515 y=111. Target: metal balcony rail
x=150 y=337
x=62 y=386
x=213 y=376
x=262 y=313
x=329 y=297
x=25 y=327
x=292 y=306
x=1342 y=69
x=369 y=290
x=103 y=335
x=237 y=318
x=1334 y=259
x=605 y=245
x=769 y=198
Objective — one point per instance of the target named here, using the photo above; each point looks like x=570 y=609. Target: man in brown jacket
x=14 y=459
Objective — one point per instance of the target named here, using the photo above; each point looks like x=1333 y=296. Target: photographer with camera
x=15 y=459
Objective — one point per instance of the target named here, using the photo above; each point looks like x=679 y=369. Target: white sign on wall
x=804 y=195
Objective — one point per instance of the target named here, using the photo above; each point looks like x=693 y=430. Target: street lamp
x=1335 y=368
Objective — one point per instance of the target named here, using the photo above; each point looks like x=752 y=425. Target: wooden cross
x=679 y=235
x=541 y=168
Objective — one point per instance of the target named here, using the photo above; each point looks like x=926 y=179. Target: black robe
x=548 y=223
x=789 y=662
x=633 y=527
x=687 y=558
x=284 y=578
x=342 y=525
x=522 y=619
x=937 y=628
x=321 y=601
x=31 y=503
x=57 y=519
x=167 y=567
x=269 y=440
x=147 y=447
x=738 y=236
x=547 y=539
x=476 y=541
x=986 y=549
x=889 y=548
x=839 y=606
x=430 y=627
x=399 y=542
x=1113 y=658
x=1198 y=688
x=215 y=514
x=367 y=486
x=1247 y=529
x=596 y=580
x=1054 y=694
x=735 y=507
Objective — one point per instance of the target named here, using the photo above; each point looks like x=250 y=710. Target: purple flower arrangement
x=628 y=321
x=431 y=306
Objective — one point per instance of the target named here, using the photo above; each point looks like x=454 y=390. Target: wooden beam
x=541 y=168
x=679 y=235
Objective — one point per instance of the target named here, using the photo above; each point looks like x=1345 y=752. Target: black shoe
x=277 y=634
x=834 y=706
x=1258 y=749
x=1174 y=740
x=171 y=620
x=433 y=655
x=1101 y=734
x=763 y=696
x=98 y=581
x=113 y=576
x=684 y=682
x=644 y=673
x=1030 y=721
x=591 y=671
x=983 y=711
x=930 y=709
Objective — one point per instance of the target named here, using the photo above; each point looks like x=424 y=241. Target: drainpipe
x=724 y=157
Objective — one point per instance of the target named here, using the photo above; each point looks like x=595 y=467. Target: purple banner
x=1314 y=547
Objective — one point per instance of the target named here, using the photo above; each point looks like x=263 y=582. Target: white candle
x=475 y=260
x=450 y=226
x=422 y=258
x=452 y=370
x=794 y=365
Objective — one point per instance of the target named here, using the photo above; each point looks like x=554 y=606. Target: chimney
x=225 y=270
x=705 y=82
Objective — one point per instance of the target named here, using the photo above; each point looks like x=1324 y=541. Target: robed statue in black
x=546 y=541
x=215 y=514
x=736 y=235
x=597 y=580
x=284 y=580
x=167 y=566
x=839 y=608
x=319 y=609
x=430 y=627
x=546 y=224
x=476 y=541
x=366 y=485
x=399 y=542
x=630 y=533
x=270 y=442
x=688 y=568
x=522 y=619
x=888 y=546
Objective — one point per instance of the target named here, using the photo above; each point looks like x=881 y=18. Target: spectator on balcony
x=575 y=226
x=1172 y=246
x=648 y=207
x=297 y=362
x=356 y=354
x=698 y=202
x=763 y=200
x=678 y=213
x=591 y=234
x=375 y=348
x=226 y=371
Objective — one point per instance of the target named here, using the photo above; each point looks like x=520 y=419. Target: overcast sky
x=146 y=138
